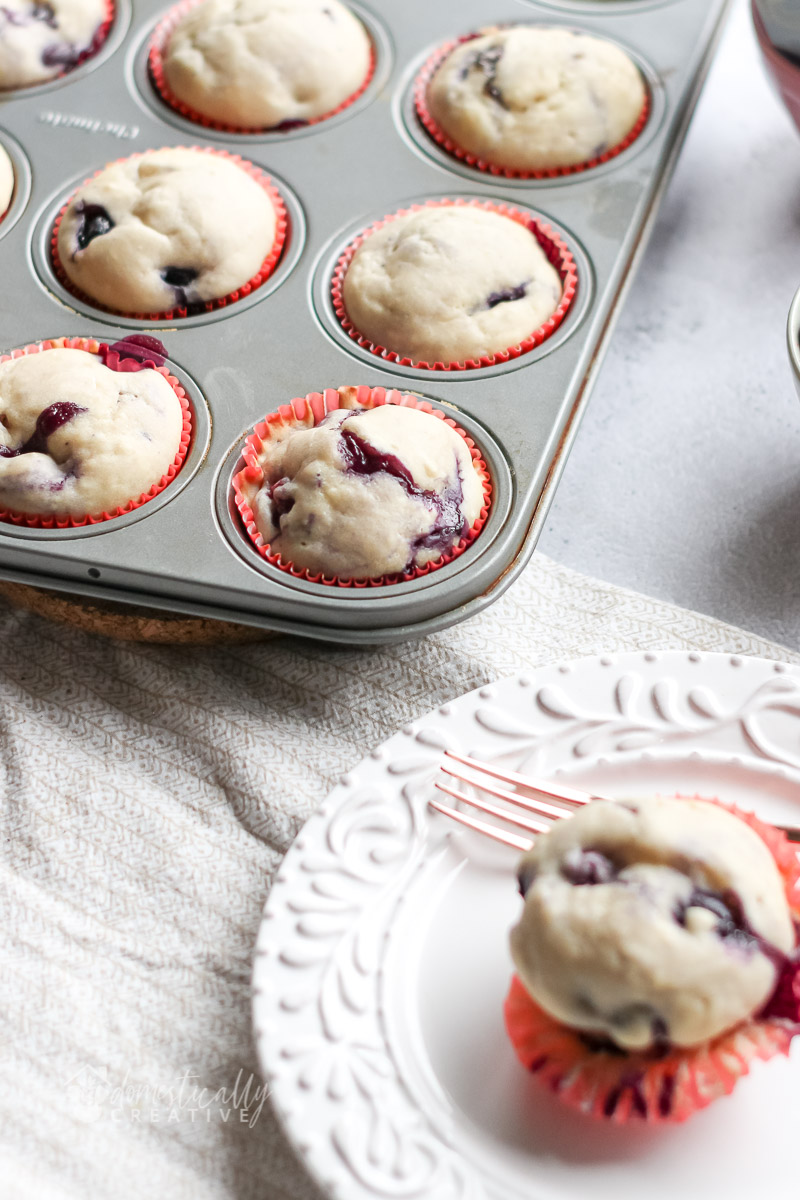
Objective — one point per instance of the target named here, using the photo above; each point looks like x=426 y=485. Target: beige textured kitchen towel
x=148 y=795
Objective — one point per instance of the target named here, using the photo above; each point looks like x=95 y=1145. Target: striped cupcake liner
x=206 y=306
x=555 y=248
x=444 y=140
x=155 y=65
x=308 y=411
x=666 y=1089
x=116 y=362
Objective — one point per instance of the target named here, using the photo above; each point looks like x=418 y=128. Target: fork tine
x=547 y=810
x=493 y=811
x=569 y=795
x=497 y=835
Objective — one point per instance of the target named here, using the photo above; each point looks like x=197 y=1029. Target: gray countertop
x=683 y=481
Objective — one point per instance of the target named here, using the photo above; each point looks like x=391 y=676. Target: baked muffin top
x=6 y=181
x=261 y=64
x=366 y=492
x=78 y=439
x=449 y=283
x=40 y=39
x=651 y=921
x=532 y=98
x=166 y=229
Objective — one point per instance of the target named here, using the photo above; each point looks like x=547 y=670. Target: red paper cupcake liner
x=556 y=249
x=100 y=35
x=155 y=64
x=205 y=306
x=620 y=1086
x=309 y=411
x=473 y=160
x=92 y=346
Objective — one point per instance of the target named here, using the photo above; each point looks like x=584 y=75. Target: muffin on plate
x=171 y=228
x=529 y=98
x=6 y=182
x=449 y=282
x=41 y=39
x=364 y=490
x=79 y=438
x=656 y=955
x=265 y=64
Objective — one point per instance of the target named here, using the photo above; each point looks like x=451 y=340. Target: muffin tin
x=187 y=551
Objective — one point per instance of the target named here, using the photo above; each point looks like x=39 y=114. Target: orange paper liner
x=556 y=249
x=155 y=64
x=444 y=140
x=309 y=411
x=623 y=1086
x=57 y=522
x=172 y=314
x=100 y=35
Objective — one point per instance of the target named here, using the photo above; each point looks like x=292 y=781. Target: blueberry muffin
x=41 y=39
x=6 y=182
x=448 y=283
x=168 y=229
x=264 y=64
x=656 y=922
x=366 y=492
x=79 y=439
x=529 y=98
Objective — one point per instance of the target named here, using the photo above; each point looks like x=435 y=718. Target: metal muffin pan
x=186 y=551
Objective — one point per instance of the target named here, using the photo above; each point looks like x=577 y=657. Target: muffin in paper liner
x=205 y=306
x=155 y=65
x=309 y=411
x=96 y=44
x=554 y=247
x=444 y=140
x=135 y=353
x=8 y=182
x=662 y=1087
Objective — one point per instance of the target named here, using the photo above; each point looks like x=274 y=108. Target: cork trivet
x=127 y=622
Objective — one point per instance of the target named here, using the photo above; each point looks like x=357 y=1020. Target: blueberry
x=94 y=222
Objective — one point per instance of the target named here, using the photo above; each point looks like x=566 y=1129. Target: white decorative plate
x=382 y=963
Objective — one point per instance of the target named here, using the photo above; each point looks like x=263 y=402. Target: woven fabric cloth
x=148 y=796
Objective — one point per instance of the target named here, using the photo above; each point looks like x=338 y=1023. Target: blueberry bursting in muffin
x=172 y=228
x=79 y=438
x=366 y=492
x=41 y=39
x=533 y=99
x=655 y=935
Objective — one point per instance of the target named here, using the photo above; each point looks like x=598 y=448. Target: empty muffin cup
x=102 y=449
x=115 y=253
x=523 y=136
x=454 y=285
x=233 y=101
x=361 y=487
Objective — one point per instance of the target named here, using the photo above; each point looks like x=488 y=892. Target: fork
x=568 y=800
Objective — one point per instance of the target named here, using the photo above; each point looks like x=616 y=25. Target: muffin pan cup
x=554 y=246
x=155 y=65
x=117 y=363
x=206 y=306
x=98 y=42
x=184 y=551
x=444 y=140
x=308 y=411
